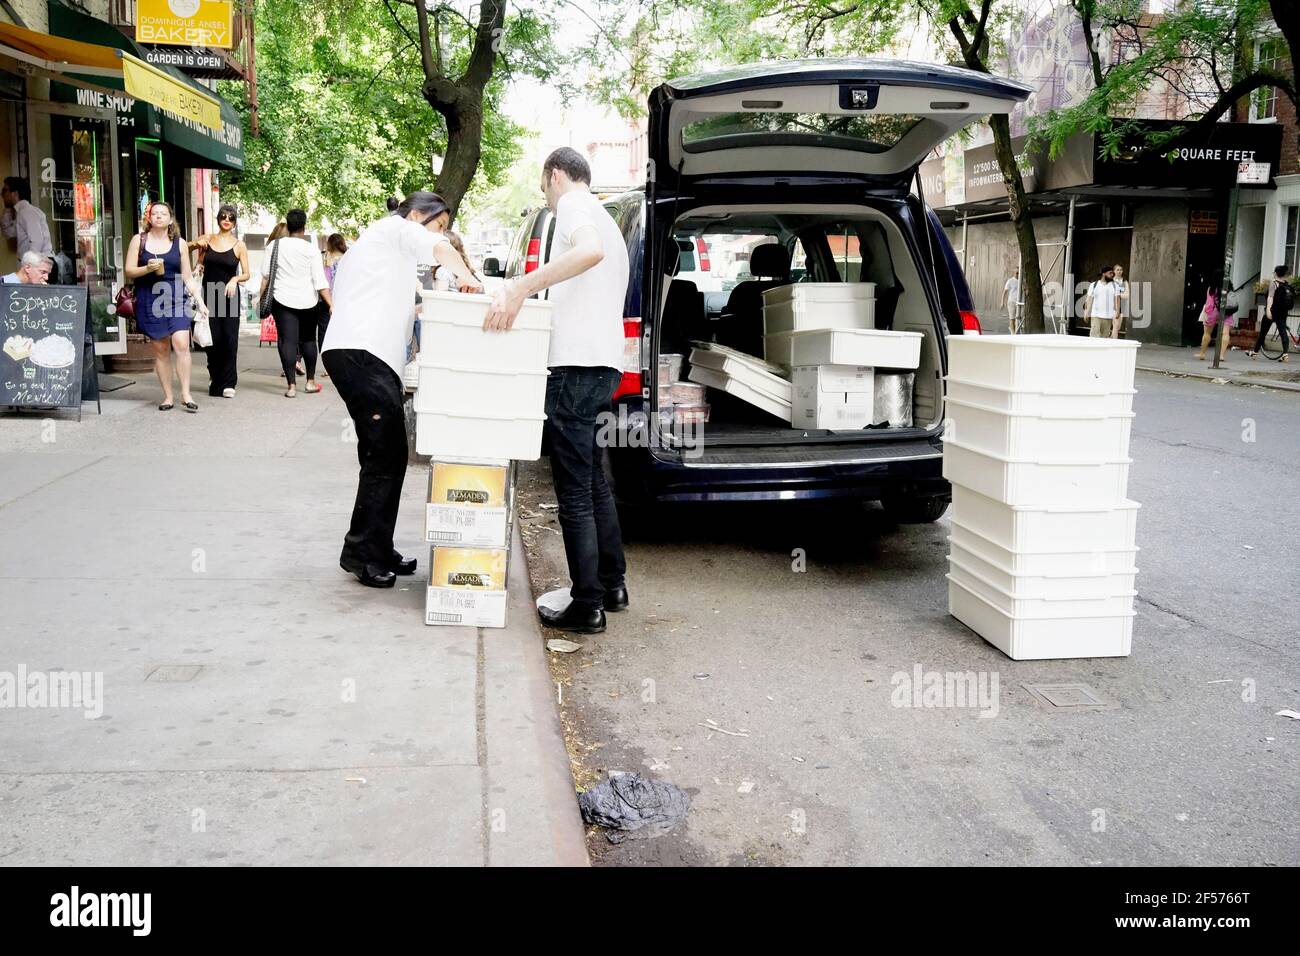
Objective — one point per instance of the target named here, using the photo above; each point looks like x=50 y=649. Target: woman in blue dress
x=158 y=262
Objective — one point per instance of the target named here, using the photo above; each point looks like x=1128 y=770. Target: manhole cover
x=175 y=672
x=1069 y=697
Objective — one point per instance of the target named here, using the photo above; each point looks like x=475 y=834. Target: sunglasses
x=225 y=218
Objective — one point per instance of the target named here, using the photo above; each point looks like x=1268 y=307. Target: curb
x=1205 y=377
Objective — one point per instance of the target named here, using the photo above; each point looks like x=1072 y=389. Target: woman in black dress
x=225 y=266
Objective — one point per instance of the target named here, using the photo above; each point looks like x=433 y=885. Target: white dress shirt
x=27 y=224
x=299 y=272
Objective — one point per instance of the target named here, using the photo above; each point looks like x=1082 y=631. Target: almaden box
x=470 y=504
x=467 y=587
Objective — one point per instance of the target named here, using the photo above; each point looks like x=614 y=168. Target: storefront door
x=74 y=182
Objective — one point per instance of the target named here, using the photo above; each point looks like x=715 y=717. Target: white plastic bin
x=819 y=305
x=743 y=391
x=878 y=348
x=753 y=374
x=1041 y=401
x=1043 y=361
x=1048 y=563
x=1091 y=584
x=1018 y=604
x=1024 y=435
x=496 y=392
x=451 y=333
x=1084 y=483
x=1046 y=637
x=478 y=436
x=1046 y=528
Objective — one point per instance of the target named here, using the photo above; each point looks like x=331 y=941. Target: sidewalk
x=260 y=706
x=1236 y=368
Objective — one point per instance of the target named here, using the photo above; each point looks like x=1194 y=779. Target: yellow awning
x=53 y=57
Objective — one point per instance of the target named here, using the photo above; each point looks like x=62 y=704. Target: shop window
x=1270 y=54
x=1292 y=232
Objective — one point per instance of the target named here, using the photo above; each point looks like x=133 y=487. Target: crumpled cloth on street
x=629 y=801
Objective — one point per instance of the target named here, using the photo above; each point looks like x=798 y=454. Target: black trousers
x=223 y=354
x=296 y=332
x=593 y=541
x=373 y=394
x=1281 y=327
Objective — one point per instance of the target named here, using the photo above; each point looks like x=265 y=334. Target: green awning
x=205 y=148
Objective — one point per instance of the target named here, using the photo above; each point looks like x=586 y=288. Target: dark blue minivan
x=796 y=171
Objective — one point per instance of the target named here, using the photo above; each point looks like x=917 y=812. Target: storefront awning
x=50 y=57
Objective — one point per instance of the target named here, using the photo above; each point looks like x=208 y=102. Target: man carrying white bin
x=588 y=271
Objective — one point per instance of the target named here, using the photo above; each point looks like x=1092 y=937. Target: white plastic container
x=752 y=374
x=819 y=305
x=1047 y=563
x=1045 y=637
x=1092 y=584
x=1020 y=604
x=742 y=390
x=451 y=332
x=1042 y=401
x=496 y=392
x=1100 y=484
x=1043 y=361
x=1046 y=528
x=478 y=436
x=875 y=347
x=1023 y=435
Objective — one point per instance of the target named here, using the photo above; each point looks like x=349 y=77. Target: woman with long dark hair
x=365 y=352
x=225 y=266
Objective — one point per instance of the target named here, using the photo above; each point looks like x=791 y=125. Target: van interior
x=785 y=244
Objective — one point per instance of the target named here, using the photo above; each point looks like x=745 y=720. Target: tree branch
x=491 y=20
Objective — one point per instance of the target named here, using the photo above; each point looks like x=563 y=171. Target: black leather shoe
x=574 y=619
x=372 y=575
x=401 y=565
x=616 y=600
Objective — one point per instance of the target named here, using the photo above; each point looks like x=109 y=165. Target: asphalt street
x=768 y=692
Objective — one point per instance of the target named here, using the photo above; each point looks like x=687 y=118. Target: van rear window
x=856 y=131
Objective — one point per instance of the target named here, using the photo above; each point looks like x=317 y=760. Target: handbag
x=202 y=332
x=1211 y=310
x=124 y=302
x=268 y=334
x=268 y=296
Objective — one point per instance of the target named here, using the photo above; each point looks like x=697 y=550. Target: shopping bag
x=268 y=333
x=202 y=332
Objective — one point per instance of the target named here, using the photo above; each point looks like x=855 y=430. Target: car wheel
x=915 y=510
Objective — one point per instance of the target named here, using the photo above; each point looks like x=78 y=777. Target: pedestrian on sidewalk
x=365 y=352
x=443 y=278
x=1212 y=316
x=158 y=262
x=23 y=222
x=278 y=231
x=335 y=248
x=297 y=289
x=1011 y=300
x=1281 y=297
x=587 y=275
x=1102 y=304
x=1121 y=302
x=33 y=269
x=224 y=259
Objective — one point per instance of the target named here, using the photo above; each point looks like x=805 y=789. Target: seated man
x=33 y=269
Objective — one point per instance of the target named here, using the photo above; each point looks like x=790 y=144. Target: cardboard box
x=838 y=411
x=835 y=378
x=467 y=586
x=470 y=504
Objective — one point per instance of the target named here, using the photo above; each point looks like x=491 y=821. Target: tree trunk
x=464 y=148
x=1031 y=277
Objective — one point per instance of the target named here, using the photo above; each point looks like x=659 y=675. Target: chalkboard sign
x=42 y=344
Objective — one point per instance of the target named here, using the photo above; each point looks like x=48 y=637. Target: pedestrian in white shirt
x=1011 y=299
x=365 y=352
x=587 y=274
x=1121 y=305
x=296 y=276
x=23 y=221
x=1101 y=306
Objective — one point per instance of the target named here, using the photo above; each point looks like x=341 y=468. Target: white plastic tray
x=1080 y=483
x=1046 y=528
x=1042 y=401
x=1091 y=584
x=747 y=393
x=1019 y=605
x=878 y=348
x=478 y=436
x=1043 y=361
x=1042 y=563
x=752 y=374
x=1041 y=638
x=1042 y=437
x=496 y=392
x=451 y=332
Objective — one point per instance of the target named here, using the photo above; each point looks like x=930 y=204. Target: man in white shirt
x=298 y=288
x=1011 y=299
x=587 y=274
x=22 y=220
x=1102 y=304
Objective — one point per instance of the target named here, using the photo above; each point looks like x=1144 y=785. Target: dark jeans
x=296 y=331
x=1281 y=327
x=593 y=543
x=224 y=351
x=373 y=394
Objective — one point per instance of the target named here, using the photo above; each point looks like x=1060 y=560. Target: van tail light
x=970 y=323
x=631 y=382
x=702 y=250
x=533 y=259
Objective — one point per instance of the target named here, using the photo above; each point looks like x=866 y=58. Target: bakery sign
x=192 y=23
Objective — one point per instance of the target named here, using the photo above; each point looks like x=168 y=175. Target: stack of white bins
x=479 y=407
x=1043 y=546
